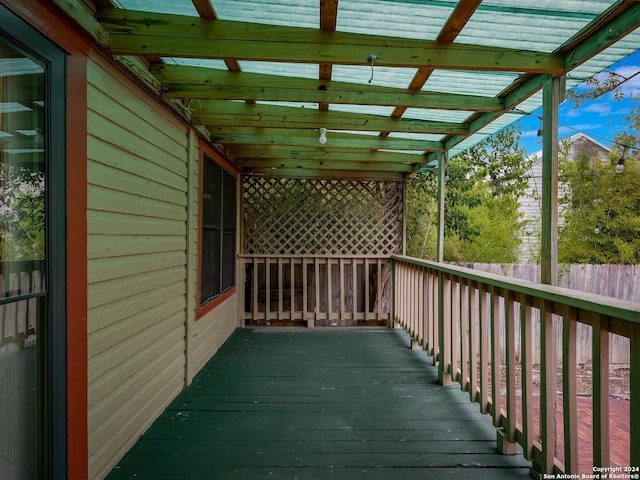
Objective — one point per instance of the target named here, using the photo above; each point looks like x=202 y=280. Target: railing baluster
x=379 y=290
x=455 y=327
x=484 y=349
x=343 y=294
x=267 y=295
x=444 y=321
x=354 y=292
x=292 y=287
x=634 y=407
x=316 y=308
x=367 y=282
x=510 y=353
x=569 y=388
x=465 y=297
x=496 y=394
x=526 y=353
x=305 y=299
x=474 y=352
x=600 y=391
x=548 y=387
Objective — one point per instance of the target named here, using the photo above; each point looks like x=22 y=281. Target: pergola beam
x=153 y=34
x=235 y=114
x=275 y=152
x=309 y=138
x=208 y=83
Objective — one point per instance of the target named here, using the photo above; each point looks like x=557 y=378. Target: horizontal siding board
x=111 y=368
x=122 y=224
x=145 y=131
x=210 y=331
x=146 y=187
x=105 y=246
x=103 y=270
x=104 y=95
x=142 y=410
x=112 y=156
x=100 y=127
x=157 y=364
x=108 y=338
x=138 y=286
x=108 y=200
x=112 y=313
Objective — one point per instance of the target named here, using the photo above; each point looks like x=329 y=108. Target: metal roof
x=393 y=81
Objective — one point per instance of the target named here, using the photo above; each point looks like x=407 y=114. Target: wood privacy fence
x=454 y=314
x=315 y=290
x=615 y=281
x=21 y=286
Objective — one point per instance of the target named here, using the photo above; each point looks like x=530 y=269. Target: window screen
x=218 y=240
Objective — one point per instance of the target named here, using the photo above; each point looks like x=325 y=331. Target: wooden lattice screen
x=283 y=216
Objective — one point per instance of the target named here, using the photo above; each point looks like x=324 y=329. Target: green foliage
x=22 y=214
x=596 y=196
x=482 y=222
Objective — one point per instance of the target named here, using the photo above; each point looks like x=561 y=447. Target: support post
x=551 y=98
x=442 y=168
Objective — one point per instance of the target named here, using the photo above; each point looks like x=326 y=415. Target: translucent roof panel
x=486 y=84
x=302 y=70
x=411 y=19
x=456 y=116
x=379 y=76
x=301 y=13
x=160 y=6
x=540 y=26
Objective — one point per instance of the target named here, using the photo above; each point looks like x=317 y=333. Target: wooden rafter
x=328 y=19
x=207 y=12
x=454 y=25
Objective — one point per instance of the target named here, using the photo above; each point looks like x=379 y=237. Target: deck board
x=303 y=404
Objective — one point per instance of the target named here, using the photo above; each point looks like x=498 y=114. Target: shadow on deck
x=319 y=404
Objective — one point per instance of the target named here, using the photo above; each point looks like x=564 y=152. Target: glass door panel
x=22 y=262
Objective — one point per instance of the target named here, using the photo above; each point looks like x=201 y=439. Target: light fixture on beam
x=323 y=136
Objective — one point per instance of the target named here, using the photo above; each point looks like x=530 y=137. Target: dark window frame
x=217 y=230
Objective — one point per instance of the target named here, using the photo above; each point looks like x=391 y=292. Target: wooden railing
x=466 y=320
x=315 y=290
x=21 y=288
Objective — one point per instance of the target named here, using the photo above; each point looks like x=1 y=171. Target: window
x=218 y=231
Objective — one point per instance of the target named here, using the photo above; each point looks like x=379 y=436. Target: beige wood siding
x=137 y=262
x=207 y=333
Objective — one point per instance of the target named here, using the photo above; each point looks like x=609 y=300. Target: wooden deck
x=319 y=404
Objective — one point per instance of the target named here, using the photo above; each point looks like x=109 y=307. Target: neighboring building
x=530 y=204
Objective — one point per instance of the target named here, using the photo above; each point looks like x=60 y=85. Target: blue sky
x=600 y=118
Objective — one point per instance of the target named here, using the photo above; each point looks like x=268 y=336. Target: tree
x=601 y=221
x=482 y=222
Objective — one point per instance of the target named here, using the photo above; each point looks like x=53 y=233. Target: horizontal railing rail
x=315 y=290
x=468 y=321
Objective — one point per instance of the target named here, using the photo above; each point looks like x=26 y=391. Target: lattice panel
x=284 y=216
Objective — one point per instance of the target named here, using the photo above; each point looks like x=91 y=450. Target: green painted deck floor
x=313 y=405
